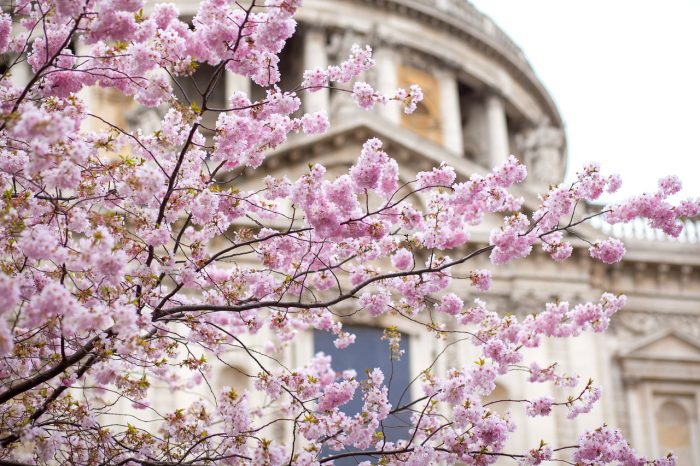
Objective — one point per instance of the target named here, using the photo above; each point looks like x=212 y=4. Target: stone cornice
x=418 y=154
x=410 y=150
x=636 y=370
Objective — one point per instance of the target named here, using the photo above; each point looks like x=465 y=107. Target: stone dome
x=483 y=100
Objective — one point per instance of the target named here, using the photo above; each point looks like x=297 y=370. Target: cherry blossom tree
x=132 y=258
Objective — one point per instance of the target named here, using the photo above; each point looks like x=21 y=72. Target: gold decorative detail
x=425 y=121
x=111 y=105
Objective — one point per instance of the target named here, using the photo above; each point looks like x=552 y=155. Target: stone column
x=450 y=115
x=386 y=70
x=315 y=56
x=21 y=72
x=235 y=83
x=497 y=126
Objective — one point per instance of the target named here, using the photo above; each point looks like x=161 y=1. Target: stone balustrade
x=640 y=230
x=465 y=11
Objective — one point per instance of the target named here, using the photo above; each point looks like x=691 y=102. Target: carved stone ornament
x=542 y=149
x=631 y=324
x=339 y=44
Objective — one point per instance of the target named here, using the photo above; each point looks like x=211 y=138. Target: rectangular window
x=370 y=351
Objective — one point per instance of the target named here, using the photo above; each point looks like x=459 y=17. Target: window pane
x=370 y=351
x=673 y=431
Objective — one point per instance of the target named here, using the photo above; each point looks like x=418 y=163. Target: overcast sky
x=625 y=75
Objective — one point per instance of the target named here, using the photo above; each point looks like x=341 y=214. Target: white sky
x=625 y=75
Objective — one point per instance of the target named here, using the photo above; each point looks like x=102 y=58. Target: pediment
x=669 y=344
x=399 y=142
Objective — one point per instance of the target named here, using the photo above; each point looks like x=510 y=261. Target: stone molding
x=634 y=324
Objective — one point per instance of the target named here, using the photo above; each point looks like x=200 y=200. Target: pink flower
x=439 y=177
x=157 y=236
x=537 y=457
x=410 y=99
x=606 y=446
x=367 y=172
x=359 y=61
x=364 y=96
x=315 y=79
x=415 y=95
x=337 y=394
x=9 y=293
x=509 y=173
x=558 y=249
x=585 y=402
x=474 y=314
x=376 y=303
x=608 y=251
x=5 y=30
x=450 y=304
x=614 y=183
x=54 y=300
x=402 y=259
x=344 y=340
x=164 y=14
x=540 y=407
x=316 y=123
x=40 y=242
x=670 y=185
x=160 y=248
x=481 y=279
x=512 y=241
x=155 y=92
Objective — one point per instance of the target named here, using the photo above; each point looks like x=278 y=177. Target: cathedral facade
x=483 y=102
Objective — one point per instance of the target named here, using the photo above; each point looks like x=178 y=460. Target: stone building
x=482 y=102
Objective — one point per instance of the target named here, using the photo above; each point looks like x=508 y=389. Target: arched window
x=673 y=431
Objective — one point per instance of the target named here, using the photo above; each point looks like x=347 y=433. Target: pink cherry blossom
x=608 y=251
x=5 y=30
x=450 y=304
x=139 y=262
x=481 y=279
x=315 y=124
x=438 y=177
x=540 y=407
x=364 y=95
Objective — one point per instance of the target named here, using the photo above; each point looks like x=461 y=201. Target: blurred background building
x=483 y=101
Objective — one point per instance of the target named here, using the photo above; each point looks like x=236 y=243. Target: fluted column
x=236 y=83
x=450 y=114
x=315 y=56
x=21 y=72
x=386 y=70
x=497 y=126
